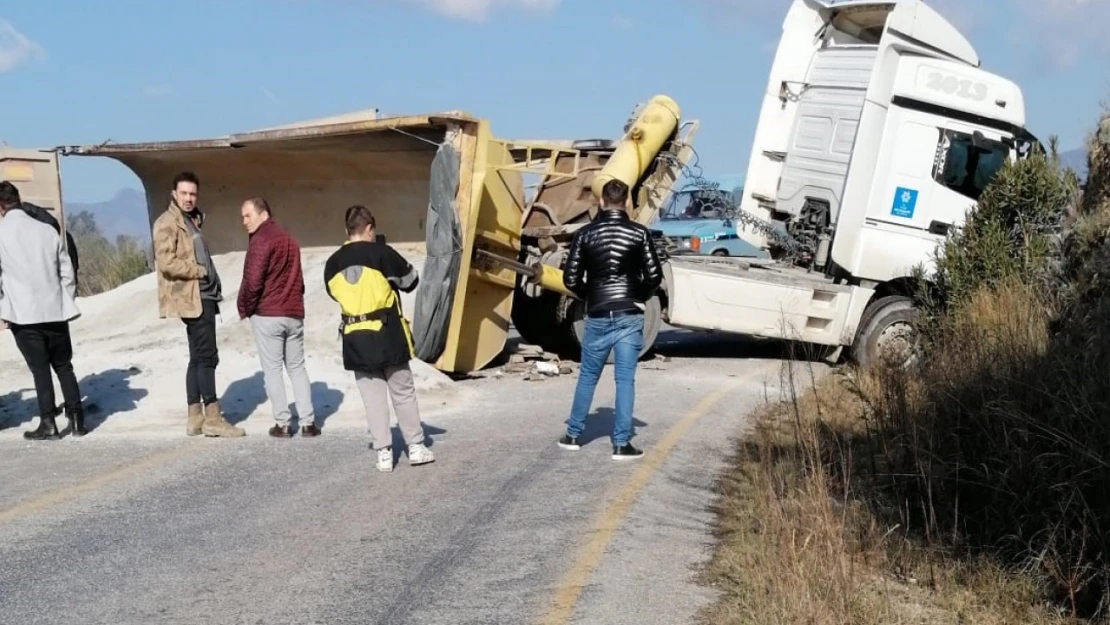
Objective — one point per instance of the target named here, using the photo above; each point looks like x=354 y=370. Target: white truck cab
x=878 y=131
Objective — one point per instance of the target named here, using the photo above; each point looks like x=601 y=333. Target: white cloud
x=1053 y=34
x=16 y=48
x=967 y=15
x=479 y=10
x=1061 y=32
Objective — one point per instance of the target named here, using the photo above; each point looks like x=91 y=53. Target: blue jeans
x=625 y=336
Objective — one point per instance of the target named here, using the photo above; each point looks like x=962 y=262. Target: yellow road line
x=72 y=491
x=566 y=595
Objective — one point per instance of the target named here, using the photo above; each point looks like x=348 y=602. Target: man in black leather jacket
x=611 y=265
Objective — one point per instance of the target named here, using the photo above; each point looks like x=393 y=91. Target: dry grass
x=848 y=502
x=789 y=550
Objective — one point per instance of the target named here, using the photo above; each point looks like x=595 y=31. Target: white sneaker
x=385 y=459
x=419 y=454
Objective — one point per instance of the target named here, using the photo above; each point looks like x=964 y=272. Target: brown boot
x=215 y=425
x=196 y=418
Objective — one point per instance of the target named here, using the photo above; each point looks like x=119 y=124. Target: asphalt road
x=505 y=527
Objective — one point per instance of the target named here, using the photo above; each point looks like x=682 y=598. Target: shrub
x=1011 y=235
x=999 y=445
x=104 y=264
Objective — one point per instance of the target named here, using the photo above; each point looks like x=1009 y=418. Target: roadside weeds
x=802 y=537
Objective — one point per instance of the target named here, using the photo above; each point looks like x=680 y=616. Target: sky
x=137 y=70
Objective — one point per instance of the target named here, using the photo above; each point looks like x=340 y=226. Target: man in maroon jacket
x=272 y=297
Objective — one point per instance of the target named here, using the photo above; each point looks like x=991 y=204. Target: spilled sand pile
x=131 y=364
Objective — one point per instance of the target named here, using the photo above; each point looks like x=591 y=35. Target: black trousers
x=200 y=376
x=47 y=346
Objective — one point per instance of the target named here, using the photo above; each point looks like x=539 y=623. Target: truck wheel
x=720 y=253
x=653 y=322
x=888 y=329
x=535 y=319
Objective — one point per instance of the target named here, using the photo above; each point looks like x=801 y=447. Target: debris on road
x=530 y=362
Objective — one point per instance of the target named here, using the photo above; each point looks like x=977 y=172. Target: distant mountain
x=125 y=213
x=1077 y=160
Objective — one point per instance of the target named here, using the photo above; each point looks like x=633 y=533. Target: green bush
x=999 y=444
x=1011 y=235
x=104 y=264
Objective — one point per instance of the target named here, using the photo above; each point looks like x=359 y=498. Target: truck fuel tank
x=656 y=123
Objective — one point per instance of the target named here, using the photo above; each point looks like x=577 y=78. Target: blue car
x=696 y=222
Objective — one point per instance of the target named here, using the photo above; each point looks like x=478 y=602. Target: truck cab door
x=933 y=171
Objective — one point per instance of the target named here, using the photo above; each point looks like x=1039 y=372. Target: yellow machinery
x=649 y=158
x=652 y=128
x=506 y=250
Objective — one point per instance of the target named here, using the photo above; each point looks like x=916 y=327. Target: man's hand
x=3 y=325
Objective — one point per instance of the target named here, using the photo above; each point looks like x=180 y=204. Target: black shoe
x=77 y=422
x=570 y=442
x=281 y=431
x=626 y=452
x=310 y=430
x=47 y=430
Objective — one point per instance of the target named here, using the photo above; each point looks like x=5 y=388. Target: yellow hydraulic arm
x=480 y=313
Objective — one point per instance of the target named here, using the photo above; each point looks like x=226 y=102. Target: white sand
x=131 y=364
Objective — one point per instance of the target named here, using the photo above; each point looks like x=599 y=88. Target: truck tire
x=536 y=320
x=720 y=253
x=653 y=322
x=889 y=323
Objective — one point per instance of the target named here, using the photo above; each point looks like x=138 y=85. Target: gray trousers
x=280 y=343
x=377 y=388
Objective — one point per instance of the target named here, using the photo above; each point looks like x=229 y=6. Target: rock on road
x=110 y=530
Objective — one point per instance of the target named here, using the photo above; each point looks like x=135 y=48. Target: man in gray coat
x=38 y=292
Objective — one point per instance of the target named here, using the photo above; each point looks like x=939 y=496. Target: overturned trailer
x=440 y=184
x=310 y=172
x=35 y=174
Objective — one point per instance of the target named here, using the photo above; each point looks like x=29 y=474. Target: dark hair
x=358 y=217
x=9 y=194
x=185 y=176
x=614 y=193
x=261 y=205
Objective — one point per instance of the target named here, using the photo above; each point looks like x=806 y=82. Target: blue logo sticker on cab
x=905 y=200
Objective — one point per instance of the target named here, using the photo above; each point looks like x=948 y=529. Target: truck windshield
x=698 y=204
x=969 y=166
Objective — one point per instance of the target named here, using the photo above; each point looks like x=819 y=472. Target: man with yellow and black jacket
x=363 y=277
